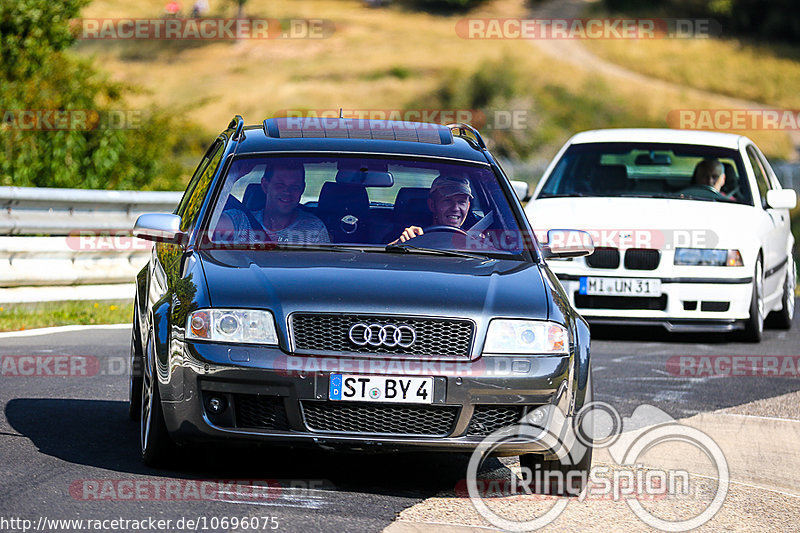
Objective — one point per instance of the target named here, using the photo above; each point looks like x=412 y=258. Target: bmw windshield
x=650 y=170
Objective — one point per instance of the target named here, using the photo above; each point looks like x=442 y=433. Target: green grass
x=392 y=58
x=15 y=317
x=766 y=74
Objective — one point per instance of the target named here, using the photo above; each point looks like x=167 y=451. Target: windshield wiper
x=651 y=195
x=313 y=247
x=564 y=195
x=410 y=249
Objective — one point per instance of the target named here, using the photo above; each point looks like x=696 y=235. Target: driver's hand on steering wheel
x=408 y=234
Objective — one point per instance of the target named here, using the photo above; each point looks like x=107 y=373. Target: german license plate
x=619 y=286
x=393 y=389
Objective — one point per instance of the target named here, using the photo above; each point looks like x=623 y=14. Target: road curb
x=59 y=329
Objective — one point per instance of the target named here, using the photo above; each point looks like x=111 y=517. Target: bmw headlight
x=507 y=336
x=232 y=325
x=707 y=257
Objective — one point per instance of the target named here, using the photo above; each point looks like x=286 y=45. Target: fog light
x=537 y=417
x=216 y=405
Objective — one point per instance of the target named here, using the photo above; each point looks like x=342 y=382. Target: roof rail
x=237 y=123
x=463 y=129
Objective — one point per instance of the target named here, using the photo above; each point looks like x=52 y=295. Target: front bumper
x=685 y=303
x=284 y=399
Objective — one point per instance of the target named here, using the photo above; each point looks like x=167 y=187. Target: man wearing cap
x=448 y=200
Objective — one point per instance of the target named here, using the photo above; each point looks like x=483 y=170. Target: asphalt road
x=69 y=451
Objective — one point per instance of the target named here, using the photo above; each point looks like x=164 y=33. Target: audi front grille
x=380 y=335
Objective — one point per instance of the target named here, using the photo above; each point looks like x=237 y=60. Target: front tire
x=783 y=319
x=135 y=378
x=578 y=461
x=754 y=327
x=156 y=445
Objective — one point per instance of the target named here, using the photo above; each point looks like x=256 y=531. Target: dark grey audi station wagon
x=351 y=284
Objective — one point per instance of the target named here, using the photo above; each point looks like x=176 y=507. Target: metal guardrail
x=52 y=237
x=31 y=210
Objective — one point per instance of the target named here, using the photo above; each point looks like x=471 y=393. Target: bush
x=542 y=117
x=442 y=5
x=38 y=74
x=769 y=20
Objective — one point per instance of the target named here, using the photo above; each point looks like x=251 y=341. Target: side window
x=761 y=180
x=772 y=178
x=196 y=193
x=195 y=177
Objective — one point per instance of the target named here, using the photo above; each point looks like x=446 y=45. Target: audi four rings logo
x=388 y=335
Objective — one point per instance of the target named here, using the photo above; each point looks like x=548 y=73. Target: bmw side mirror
x=782 y=199
x=565 y=243
x=522 y=189
x=159 y=227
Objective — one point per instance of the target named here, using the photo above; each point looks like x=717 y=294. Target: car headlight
x=506 y=336
x=707 y=257
x=232 y=325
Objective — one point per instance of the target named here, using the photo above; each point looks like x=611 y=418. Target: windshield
x=365 y=202
x=657 y=170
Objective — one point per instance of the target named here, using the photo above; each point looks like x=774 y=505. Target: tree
x=42 y=82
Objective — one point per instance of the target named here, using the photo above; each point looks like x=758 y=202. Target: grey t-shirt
x=306 y=229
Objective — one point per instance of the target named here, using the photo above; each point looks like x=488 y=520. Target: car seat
x=344 y=208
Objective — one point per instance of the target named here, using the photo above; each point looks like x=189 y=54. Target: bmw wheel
x=754 y=328
x=783 y=319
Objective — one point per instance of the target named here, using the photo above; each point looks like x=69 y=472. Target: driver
x=707 y=180
x=449 y=202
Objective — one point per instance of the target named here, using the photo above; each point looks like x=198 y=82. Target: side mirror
x=159 y=227
x=522 y=189
x=782 y=199
x=565 y=243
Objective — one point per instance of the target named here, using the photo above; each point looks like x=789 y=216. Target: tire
x=754 y=327
x=155 y=443
x=552 y=466
x=134 y=380
x=579 y=460
x=782 y=319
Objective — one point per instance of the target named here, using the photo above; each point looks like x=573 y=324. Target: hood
x=643 y=222
x=374 y=283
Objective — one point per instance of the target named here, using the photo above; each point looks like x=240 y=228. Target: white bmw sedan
x=691 y=230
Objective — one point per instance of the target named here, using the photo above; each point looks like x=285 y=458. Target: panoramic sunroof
x=351 y=128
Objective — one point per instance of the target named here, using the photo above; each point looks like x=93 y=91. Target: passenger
x=281 y=219
x=449 y=202
x=707 y=180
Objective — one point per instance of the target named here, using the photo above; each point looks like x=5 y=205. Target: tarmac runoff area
x=759 y=441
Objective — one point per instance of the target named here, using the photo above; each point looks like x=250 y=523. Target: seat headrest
x=610 y=178
x=409 y=197
x=254 y=197
x=344 y=197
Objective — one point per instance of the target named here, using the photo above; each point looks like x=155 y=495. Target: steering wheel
x=442 y=227
x=732 y=194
